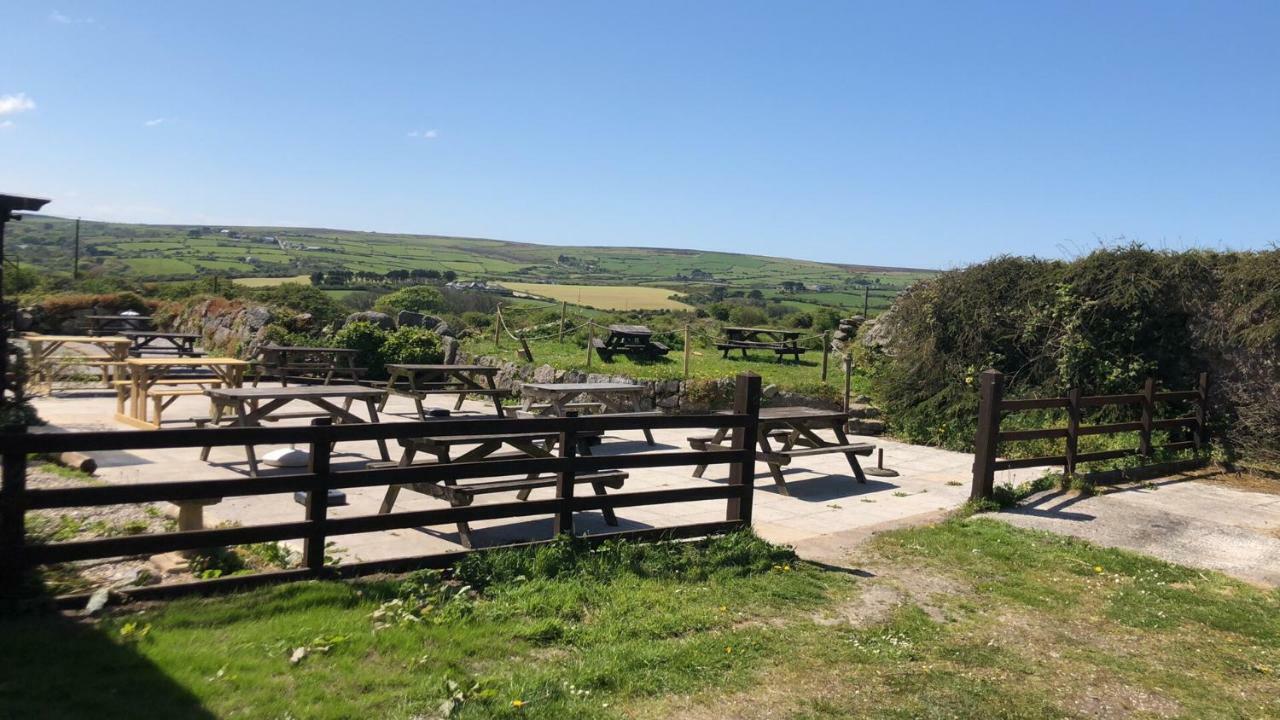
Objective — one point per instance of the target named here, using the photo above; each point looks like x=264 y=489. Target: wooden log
x=78 y=461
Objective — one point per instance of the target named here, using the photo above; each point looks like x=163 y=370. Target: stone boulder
x=382 y=320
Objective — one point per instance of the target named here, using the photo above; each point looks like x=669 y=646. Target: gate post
x=991 y=391
x=742 y=473
x=317 y=497
x=13 y=501
x=565 y=480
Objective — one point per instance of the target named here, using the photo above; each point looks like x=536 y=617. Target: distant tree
x=317 y=277
x=449 y=275
x=431 y=274
x=418 y=274
x=756 y=295
x=397 y=276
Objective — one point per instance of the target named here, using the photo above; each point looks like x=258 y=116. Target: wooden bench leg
x=853 y=459
x=389 y=500
x=610 y=517
x=464 y=528
x=774 y=470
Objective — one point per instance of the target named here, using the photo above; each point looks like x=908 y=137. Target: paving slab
x=1181 y=520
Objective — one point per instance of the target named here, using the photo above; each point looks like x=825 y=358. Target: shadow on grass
x=52 y=666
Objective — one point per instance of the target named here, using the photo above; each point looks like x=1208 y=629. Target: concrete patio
x=825 y=503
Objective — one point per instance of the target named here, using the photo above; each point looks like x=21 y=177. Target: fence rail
x=993 y=407
x=17 y=557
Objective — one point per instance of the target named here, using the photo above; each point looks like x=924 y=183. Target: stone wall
x=227 y=327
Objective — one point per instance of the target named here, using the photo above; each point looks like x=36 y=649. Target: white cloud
x=423 y=134
x=63 y=19
x=10 y=104
x=5 y=125
x=155 y=121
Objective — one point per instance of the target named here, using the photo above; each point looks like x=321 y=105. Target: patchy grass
x=970 y=618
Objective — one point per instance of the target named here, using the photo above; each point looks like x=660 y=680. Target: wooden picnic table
x=417 y=381
x=631 y=340
x=559 y=398
x=486 y=447
x=111 y=324
x=154 y=379
x=45 y=365
x=150 y=342
x=254 y=405
x=323 y=364
x=781 y=342
x=795 y=428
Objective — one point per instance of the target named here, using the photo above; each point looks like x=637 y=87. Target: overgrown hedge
x=1103 y=323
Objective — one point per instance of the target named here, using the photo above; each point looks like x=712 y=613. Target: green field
x=603 y=297
x=186 y=251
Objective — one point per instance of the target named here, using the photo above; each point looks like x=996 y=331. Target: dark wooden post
x=866 y=302
x=563 y=306
x=1073 y=429
x=991 y=392
x=746 y=401
x=497 y=327
x=565 y=481
x=826 y=352
x=1202 y=412
x=317 y=497
x=13 y=502
x=1148 y=417
x=848 y=379
x=591 y=339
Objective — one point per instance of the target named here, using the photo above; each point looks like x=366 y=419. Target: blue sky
x=915 y=134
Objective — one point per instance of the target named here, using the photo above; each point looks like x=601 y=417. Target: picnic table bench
x=148 y=342
x=253 y=406
x=635 y=341
x=306 y=364
x=558 y=399
x=795 y=428
x=534 y=445
x=114 y=324
x=781 y=342
x=47 y=366
x=166 y=379
x=417 y=381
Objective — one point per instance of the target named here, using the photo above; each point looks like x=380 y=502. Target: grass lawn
x=970 y=618
x=272 y=281
x=705 y=363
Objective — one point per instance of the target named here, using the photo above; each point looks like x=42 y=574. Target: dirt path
x=1205 y=520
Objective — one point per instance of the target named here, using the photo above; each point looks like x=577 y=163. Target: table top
x=412 y=367
x=299 y=348
x=630 y=330
x=793 y=414
x=100 y=339
x=584 y=387
x=158 y=334
x=185 y=361
x=297 y=391
x=776 y=331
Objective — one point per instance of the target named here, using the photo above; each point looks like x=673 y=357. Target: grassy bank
x=966 y=619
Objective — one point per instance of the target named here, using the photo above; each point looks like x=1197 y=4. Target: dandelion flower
x=517 y=704
x=1097 y=569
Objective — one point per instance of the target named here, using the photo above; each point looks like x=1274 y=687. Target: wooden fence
x=992 y=407
x=17 y=557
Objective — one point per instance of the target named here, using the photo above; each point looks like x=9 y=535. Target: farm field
x=603 y=297
x=174 y=252
x=965 y=619
x=272 y=281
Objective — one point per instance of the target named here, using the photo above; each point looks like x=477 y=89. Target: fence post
x=687 y=350
x=866 y=302
x=848 y=379
x=1073 y=429
x=497 y=327
x=1202 y=412
x=1148 y=416
x=746 y=401
x=591 y=340
x=317 y=497
x=563 y=304
x=991 y=392
x=563 y=524
x=13 y=502
x=826 y=351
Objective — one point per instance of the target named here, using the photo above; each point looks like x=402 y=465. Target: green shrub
x=368 y=339
x=302 y=299
x=747 y=316
x=412 y=345
x=419 y=299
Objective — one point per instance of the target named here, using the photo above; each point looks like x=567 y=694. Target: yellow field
x=603 y=297
x=272 y=281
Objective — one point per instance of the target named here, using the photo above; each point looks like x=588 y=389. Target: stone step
x=863 y=410
x=866 y=426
